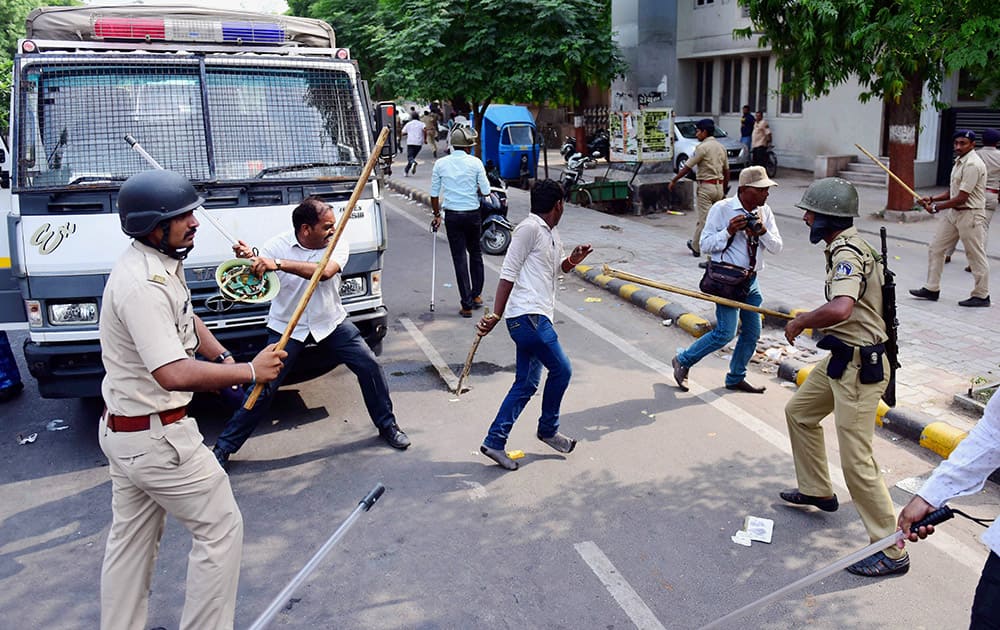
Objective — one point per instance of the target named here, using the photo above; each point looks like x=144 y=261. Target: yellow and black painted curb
x=415 y=194
x=934 y=435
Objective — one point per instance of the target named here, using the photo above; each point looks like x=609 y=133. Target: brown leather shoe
x=477 y=302
x=465 y=312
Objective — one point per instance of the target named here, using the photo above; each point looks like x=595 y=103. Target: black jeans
x=758 y=156
x=344 y=345
x=464 y=231
x=986 y=605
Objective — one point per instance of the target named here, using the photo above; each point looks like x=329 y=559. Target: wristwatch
x=277 y=264
x=222 y=357
x=934 y=209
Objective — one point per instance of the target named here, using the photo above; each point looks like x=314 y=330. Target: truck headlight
x=351 y=287
x=73 y=313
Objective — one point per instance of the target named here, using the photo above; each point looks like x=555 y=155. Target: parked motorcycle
x=497 y=228
x=572 y=175
x=600 y=143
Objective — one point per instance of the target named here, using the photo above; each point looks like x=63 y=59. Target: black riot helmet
x=151 y=198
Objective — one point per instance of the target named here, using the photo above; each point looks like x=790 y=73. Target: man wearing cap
x=966 y=220
x=849 y=381
x=991 y=158
x=734 y=230
x=713 y=175
x=461 y=178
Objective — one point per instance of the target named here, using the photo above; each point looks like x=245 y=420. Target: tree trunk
x=478 y=115
x=904 y=115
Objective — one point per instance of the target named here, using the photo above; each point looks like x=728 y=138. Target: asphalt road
x=632 y=529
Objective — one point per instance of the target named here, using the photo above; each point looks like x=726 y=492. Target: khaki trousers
x=854 y=405
x=708 y=194
x=991 y=208
x=153 y=473
x=970 y=226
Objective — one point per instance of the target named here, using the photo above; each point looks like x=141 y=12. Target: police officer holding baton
x=158 y=463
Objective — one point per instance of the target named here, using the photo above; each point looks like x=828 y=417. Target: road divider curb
x=409 y=191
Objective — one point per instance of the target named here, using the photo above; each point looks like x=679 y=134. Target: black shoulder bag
x=730 y=281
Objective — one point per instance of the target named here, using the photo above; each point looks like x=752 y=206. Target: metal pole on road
x=282 y=599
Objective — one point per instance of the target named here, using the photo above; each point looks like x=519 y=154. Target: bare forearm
x=191 y=375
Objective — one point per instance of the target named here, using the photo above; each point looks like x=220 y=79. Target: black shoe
x=926 y=294
x=222 y=457
x=796 y=497
x=969 y=269
x=694 y=252
x=743 y=386
x=975 y=301
x=703 y=265
x=394 y=436
x=880 y=565
x=947 y=259
x=680 y=373
x=8 y=393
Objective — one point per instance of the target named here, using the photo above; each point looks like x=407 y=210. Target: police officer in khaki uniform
x=966 y=220
x=990 y=156
x=158 y=464
x=850 y=381
x=713 y=175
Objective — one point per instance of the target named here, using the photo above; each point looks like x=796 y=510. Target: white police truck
x=258 y=111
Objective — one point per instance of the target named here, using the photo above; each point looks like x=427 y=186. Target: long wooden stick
x=321 y=265
x=885 y=168
x=614 y=273
x=468 y=361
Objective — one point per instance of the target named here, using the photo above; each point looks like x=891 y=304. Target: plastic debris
x=516 y=454
x=56 y=424
x=446 y=285
x=759 y=529
x=675 y=213
x=668 y=322
x=22 y=440
x=592 y=299
x=741 y=538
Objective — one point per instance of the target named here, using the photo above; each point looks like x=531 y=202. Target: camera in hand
x=754 y=224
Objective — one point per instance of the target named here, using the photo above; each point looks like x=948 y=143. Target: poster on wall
x=644 y=135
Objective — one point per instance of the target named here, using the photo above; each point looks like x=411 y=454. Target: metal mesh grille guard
x=210 y=123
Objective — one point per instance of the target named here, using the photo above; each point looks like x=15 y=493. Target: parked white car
x=685 y=142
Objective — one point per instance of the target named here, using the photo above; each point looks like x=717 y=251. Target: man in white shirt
x=295 y=255
x=964 y=473
x=734 y=231
x=414 y=132
x=461 y=178
x=526 y=296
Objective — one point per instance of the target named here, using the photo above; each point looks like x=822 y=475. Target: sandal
x=880 y=565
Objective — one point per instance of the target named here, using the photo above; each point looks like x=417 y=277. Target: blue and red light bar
x=188 y=30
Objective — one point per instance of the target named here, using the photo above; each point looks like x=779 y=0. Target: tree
x=892 y=46
x=483 y=51
x=12 y=14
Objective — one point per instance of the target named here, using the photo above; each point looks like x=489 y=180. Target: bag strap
x=752 y=243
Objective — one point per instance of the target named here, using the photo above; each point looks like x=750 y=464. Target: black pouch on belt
x=872 y=370
x=840 y=355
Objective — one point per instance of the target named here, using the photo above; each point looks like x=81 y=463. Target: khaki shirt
x=852 y=270
x=991 y=158
x=969 y=175
x=711 y=157
x=761 y=136
x=146 y=322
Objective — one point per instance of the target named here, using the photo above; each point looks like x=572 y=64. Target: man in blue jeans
x=295 y=255
x=736 y=230
x=526 y=296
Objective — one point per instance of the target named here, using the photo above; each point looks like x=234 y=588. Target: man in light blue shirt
x=734 y=230
x=461 y=178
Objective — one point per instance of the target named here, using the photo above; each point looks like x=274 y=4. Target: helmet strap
x=177 y=253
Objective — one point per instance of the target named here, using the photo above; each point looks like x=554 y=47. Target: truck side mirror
x=385 y=116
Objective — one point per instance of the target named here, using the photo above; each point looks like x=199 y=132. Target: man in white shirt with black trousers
x=732 y=236
x=526 y=297
x=295 y=255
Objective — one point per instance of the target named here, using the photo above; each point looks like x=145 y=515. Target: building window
x=703 y=87
x=757 y=87
x=790 y=104
x=732 y=78
x=702 y=3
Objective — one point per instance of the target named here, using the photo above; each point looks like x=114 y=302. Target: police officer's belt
x=127 y=424
x=872 y=370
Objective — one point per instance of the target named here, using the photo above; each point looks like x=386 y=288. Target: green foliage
x=885 y=43
x=12 y=14
x=480 y=51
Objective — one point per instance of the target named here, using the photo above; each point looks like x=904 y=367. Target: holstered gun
x=891 y=323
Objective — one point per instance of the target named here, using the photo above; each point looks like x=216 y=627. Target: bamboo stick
x=885 y=168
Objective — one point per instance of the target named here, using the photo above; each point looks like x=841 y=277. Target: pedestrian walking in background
x=964 y=473
x=525 y=299
x=430 y=121
x=460 y=178
x=735 y=231
x=414 y=132
x=713 y=175
x=991 y=158
x=746 y=127
x=850 y=380
x=760 y=140
x=295 y=255
x=157 y=461
x=965 y=220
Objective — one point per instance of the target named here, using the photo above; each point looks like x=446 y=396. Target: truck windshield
x=210 y=123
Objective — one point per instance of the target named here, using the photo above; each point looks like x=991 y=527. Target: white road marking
x=620 y=589
x=965 y=555
x=432 y=354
